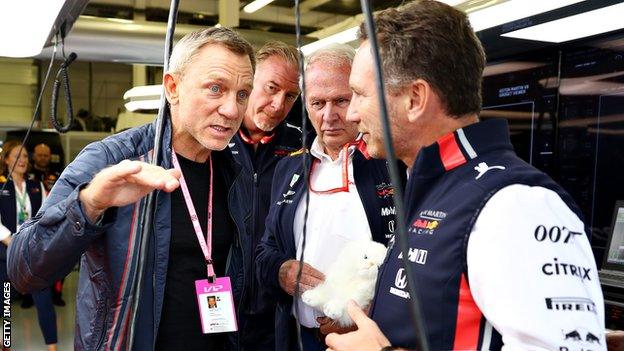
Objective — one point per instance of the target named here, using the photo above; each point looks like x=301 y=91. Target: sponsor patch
x=570 y=304
x=384 y=190
x=427 y=222
x=416 y=255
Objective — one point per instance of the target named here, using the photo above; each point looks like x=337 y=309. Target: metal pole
x=419 y=327
x=148 y=212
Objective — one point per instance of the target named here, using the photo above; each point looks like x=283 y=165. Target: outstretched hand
x=368 y=336
x=123 y=184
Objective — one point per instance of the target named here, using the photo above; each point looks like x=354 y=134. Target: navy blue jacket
x=49 y=245
x=443 y=201
x=278 y=243
x=258 y=169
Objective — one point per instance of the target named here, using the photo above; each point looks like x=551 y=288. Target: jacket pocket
x=95 y=306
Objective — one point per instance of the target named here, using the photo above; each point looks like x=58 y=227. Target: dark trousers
x=46 y=315
x=45 y=310
x=310 y=340
x=258 y=332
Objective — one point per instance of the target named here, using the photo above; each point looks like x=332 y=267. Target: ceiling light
x=256 y=5
x=25 y=26
x=578 y=26
x=145 y=97
x=513 y=10
x=339 y=38
x=488 y=17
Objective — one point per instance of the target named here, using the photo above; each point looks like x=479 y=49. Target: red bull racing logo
x=427 y=222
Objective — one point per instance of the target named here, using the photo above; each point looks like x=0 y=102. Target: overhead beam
x=229 y=13
x=310 y=5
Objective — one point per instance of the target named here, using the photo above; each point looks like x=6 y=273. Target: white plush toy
x=351 y=277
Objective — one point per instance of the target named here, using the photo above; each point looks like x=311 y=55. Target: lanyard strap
x=20 y=196
x=264 y=140
x=204 y=243
x=345 y=174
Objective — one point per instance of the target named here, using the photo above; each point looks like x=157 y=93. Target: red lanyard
x=345 y=174
x=264 y=140
x=205 y=244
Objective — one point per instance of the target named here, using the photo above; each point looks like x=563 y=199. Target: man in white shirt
x=345 y=201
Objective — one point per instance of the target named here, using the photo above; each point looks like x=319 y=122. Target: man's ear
x=171 y=88
x=419 y=94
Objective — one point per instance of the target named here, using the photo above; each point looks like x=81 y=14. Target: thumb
x=355 y=312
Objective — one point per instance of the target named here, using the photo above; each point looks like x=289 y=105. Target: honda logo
x=401 y=279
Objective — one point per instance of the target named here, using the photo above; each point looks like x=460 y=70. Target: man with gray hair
x=93 y=212
x=263 y=139
x=344 y=200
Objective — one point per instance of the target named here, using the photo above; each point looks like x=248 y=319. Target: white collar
x=317 y=151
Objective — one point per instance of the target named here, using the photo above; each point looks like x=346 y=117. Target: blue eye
x=243 y=95
x=215 y=88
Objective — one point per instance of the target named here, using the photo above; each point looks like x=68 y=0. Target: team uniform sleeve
x=532 y=272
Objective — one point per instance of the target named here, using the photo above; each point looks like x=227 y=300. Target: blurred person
x=40 y=170
x=20 y=200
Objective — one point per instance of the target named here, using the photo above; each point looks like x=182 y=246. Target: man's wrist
x=92 y=213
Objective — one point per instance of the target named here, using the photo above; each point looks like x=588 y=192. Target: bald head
x=41 y=156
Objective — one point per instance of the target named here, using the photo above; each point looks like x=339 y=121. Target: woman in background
x=19 y=201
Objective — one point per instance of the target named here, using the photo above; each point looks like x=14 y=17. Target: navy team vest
x=443 y=199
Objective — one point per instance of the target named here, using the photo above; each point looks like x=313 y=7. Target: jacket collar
x=225 y=155
x=461 y=146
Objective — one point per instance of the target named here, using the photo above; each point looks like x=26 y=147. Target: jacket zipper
x=238 y=243
x=104 y=330
x=253 y=236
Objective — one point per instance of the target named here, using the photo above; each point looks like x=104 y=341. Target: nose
x=230 y=108
x=330 y=113
x=277 y=102
x=352 y=115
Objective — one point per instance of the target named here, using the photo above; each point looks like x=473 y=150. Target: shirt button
x=77 y=226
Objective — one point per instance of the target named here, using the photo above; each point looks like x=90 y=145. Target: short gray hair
x=272 y=48
x=186 y=49
x=335 y=54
